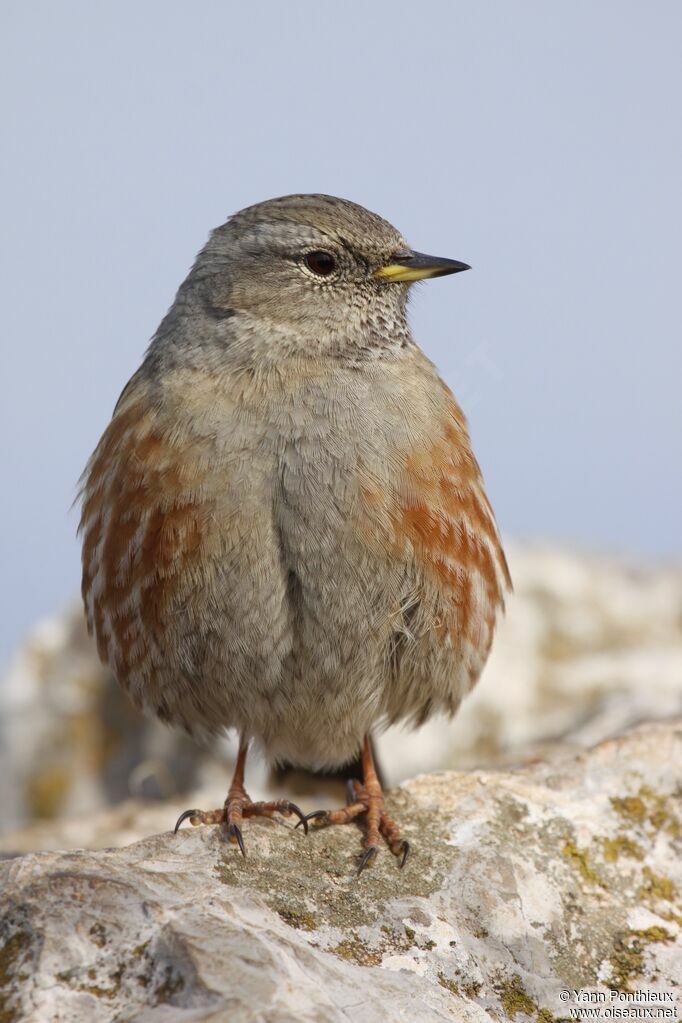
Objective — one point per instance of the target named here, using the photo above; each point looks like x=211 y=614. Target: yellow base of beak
x=398 y=273
x=416 y=266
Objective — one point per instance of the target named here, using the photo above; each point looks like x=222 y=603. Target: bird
x=284 y=528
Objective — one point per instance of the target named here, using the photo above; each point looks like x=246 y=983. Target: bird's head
x=315 y=270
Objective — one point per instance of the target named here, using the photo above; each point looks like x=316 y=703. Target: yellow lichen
x=627 y=960
x=648 y=808
x=657 y=887
x=621 y=845
x=448 y=984
x=630 y=807
x=299 y=920
x=97 y=991
x=578 y=858
x=660 y=813
x=515 y=998
x=654 y=934
x=356 y=950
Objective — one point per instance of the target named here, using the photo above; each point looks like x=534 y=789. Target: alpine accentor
x=284 y=527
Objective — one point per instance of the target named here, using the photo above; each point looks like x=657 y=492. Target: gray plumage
x=285 y=530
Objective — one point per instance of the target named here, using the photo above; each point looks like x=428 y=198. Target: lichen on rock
x=522 y=882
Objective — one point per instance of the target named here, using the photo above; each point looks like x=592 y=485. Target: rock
x=522 y=883
x=590 y=646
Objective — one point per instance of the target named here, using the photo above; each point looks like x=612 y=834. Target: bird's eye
x=321 y=263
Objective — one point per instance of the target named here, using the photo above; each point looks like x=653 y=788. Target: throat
x=376 y=341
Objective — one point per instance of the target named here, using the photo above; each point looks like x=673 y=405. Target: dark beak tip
x=439 y=267
x=455 y=266
x=451 y=266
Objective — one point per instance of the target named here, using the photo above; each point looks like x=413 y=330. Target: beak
x=415 y=266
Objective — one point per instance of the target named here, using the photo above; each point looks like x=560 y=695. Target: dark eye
x=321 y=263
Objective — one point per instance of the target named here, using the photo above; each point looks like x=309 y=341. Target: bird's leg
x=367 y=799
x=239 y=805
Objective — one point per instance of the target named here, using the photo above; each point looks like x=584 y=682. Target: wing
x=144 y=523
x=182 y=578
x=432 y=515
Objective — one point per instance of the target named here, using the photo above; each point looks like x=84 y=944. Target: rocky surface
x=590 y=646
x=524 y=882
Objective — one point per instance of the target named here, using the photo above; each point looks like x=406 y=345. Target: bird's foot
x=238 y=806
x=370 y=804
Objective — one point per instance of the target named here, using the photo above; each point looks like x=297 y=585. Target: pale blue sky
x=538 y=141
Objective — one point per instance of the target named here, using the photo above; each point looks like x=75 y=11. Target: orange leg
x=367 y=799
x=239 y=805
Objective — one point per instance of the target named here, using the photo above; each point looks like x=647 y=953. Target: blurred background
x=539 y=142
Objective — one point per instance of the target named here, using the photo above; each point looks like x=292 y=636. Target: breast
x=301 y=566
x=392 y=546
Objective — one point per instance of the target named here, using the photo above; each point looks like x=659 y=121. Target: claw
x=350 y=791
x=315 y=815
x=183 y=817
x=302 y=818
x=368 y=858
x=236 y=836
x=404 y=848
